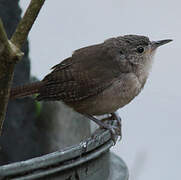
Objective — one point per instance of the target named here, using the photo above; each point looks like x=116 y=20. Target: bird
x=98 y=79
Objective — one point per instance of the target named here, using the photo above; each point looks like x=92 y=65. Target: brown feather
x=25 y=90
x=81 y=76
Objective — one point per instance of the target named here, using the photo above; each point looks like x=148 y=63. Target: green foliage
x=38 y=106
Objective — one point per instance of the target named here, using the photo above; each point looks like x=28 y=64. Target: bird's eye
x=140 y=49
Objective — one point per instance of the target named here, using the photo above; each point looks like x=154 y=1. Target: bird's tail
x=25 y=90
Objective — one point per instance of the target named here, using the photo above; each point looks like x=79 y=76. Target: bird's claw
x=116 y=117
x=115 y=132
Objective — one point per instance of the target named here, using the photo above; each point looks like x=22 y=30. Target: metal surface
x=118 y=169
x=88 y=160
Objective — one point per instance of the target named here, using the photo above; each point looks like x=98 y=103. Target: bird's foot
x=115 y=131
x=115 y=116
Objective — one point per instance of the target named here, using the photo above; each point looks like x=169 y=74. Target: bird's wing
x=88 y=72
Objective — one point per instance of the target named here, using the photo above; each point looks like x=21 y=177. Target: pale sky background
x=151 y=144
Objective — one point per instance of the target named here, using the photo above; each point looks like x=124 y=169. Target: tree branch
x=10 y=52
x=23 y=28
x=5 y=72
x=3 y=39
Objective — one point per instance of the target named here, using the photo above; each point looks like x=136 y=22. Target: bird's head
x=134 y=53
x=139 y=50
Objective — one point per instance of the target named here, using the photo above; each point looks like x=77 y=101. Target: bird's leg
x=115 y=131
x=116 y=116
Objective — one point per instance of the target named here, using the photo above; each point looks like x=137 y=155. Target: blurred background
x=151 y=123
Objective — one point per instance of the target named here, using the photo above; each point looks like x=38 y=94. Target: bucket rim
x=94 y=146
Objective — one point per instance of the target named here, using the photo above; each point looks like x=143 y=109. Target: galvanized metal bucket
x=88 y=160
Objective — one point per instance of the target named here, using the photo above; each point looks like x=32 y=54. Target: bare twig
x=10 y=52
x=6 y=70
x=3 y=39
x=26 y=23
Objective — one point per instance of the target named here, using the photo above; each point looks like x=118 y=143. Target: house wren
x=98 y=79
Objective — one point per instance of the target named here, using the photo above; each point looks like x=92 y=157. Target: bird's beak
x=156 y=44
